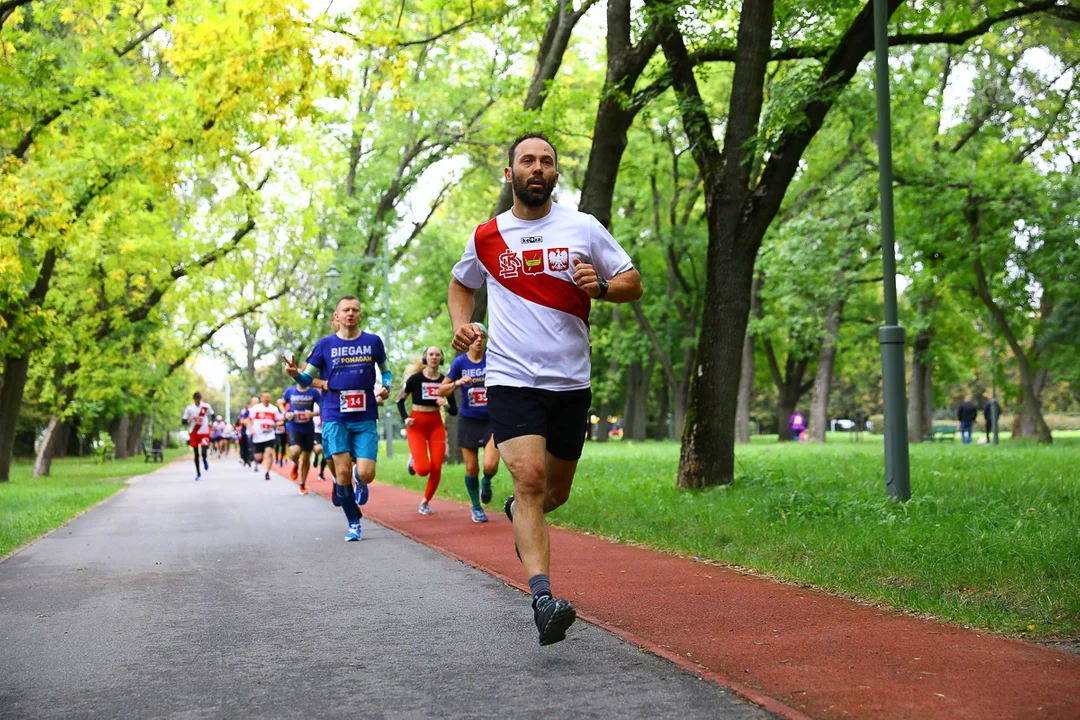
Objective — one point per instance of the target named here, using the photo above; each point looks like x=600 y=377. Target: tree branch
x=647 y=326
x=454 y=29
x=209 y=334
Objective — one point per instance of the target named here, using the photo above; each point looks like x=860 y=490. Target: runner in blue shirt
x=300 y=405
x=345 y=363
x=474 y=430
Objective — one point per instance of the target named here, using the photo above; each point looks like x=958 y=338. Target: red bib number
x=352 y=401
x=430 y=391
x=478 y=396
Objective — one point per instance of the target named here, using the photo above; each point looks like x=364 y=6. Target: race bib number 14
x=352 y=401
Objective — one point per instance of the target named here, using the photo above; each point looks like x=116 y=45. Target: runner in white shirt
x=197 y=417
x=543 y=265
x=264 y=419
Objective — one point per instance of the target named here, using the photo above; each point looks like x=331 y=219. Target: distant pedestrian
x=991 y=412
x=966 y=415
x=797 y=423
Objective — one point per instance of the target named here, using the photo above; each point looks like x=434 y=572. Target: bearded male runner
x=346 y=363
x=543 y=265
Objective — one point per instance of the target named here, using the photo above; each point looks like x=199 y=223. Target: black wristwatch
x=603 y=288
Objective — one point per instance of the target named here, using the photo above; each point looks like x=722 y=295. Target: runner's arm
x=447 y=388
x=461 y=301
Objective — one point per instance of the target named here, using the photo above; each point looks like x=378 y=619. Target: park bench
x=941 y=433
x=153 y=453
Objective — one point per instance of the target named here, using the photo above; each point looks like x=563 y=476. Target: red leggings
x=427 y=431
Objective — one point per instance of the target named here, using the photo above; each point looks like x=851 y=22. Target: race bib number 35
x=478 y=396
x=352 y=401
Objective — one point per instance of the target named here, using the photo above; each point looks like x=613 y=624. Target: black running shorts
x=306 y=440
x=472 y=433
x=260 y=447
x=560 y=417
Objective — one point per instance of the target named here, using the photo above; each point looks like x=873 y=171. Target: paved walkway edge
x=129 y=481
x=743 y=691
x=747 y=693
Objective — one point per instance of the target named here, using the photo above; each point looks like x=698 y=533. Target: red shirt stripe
x=541 y=288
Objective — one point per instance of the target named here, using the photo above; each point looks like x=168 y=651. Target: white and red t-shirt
x=538 y=317
x=201 y=413
x=264 y=420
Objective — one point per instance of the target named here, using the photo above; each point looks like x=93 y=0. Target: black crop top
x=424 y=392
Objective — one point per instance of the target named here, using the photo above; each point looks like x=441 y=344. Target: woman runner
x=474 y=431
x=424 y=425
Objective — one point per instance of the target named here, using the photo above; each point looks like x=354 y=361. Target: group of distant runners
x=524 y=387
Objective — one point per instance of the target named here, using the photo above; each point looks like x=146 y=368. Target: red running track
x=794 y=651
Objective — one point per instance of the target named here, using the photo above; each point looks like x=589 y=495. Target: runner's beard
x=533 y=196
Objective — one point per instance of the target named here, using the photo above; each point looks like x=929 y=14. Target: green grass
x=30 y=507
x=991 y=537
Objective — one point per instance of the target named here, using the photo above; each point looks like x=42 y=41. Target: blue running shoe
x=478 y=515
x=198 y=478
x=354 y=533
x=361 y=489
x=205 y=464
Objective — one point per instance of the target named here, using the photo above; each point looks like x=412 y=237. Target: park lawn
x=31 y=507
x=991 y=537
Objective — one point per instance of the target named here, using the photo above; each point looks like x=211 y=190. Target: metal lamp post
x=891 y=335
x=333 y=279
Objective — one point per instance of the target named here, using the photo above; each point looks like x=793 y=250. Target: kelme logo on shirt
x=532 y=240
x=534 y=261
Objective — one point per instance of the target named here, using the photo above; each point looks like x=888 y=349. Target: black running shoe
x=485 y=491
x=553 y=618
x=508 y=508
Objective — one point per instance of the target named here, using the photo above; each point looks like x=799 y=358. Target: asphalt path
x=237 y=597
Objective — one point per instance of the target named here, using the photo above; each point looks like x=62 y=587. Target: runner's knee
x=491 y=469
x=555 y=497
x=529 y=482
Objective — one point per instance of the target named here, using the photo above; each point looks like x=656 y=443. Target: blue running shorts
x=360 y=438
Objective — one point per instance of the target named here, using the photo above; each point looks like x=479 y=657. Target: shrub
x=104 y=447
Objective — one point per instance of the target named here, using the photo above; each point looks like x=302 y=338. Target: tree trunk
x=50 y=446
x=1024 y=424
x=11 y=396
x=16 y=368
x=920 y=411
x=819 y=404
x=682 y=392
x=63 y=443
x=637 y=384
x=1030 y=382
x=118 y=431
x=134 y=445
x=660 y=432
x=746 y=389
x=740 y=207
